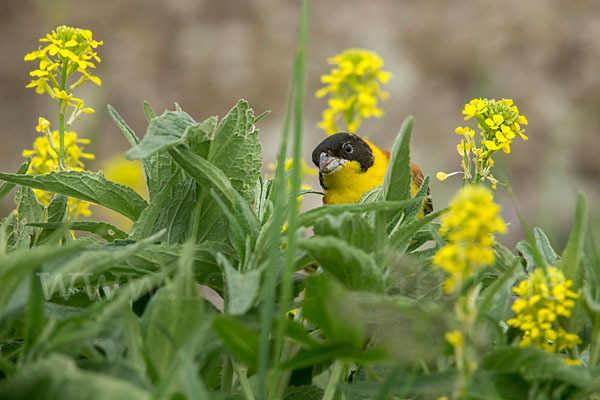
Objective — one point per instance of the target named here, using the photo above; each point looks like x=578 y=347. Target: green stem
x=243 y=378
x=296 y=181
x=334 y=379
x=61 y=116
x=595 y=343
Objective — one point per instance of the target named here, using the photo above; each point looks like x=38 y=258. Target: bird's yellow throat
x=348 y=183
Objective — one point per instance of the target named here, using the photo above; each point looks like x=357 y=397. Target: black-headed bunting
x=349 y=166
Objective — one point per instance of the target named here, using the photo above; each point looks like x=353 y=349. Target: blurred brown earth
x=544 y=54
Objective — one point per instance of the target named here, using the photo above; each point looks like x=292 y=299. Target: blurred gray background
x=206 y=54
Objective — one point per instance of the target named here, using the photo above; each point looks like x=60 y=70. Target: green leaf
x=352 y=228
x=88 y=186
x=571 y=256
x=90 y=265
x=160 y=206
x=35 y=318
x=57 y=377
x=202 y=171
x=57 y=213
x=415 y=209
x=398 y=177
x=237 y=151
x=28 y=210
x=163 y=133
x=150 y=115
x=329 y=306
x=242 y=287
x=240 y=340
x=206 y=270
x=490 y=295
x=173 y=316
x=6 y=187
x=545 y=247
x=310 y=217
x=200 y=136
x=318 y=355
x=401 y=238
x=353 y=267
x=296 y=331
x=303 y=392
x=127 y=131
x=174 y=215
x=7 y=227
x=105 y=230
x=533 y=364
x=504 y=257
x=155 y=167
x=17 y=265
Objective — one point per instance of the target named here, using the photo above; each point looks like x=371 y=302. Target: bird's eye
x=348 y=148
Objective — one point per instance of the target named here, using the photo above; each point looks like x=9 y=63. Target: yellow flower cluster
x=68 y=50
x=469 y=228
x=353 y=89
x=544 y=299
x=499 y=123
x=44 y=159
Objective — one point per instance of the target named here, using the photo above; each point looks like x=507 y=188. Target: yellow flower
x=455 y=338
x=463 y=148
x=495 y=121
x=129 y=173
x=44 y=159
x=43 y=125
x=543 y=299
x=441 y=176
x=465 y=131
x=353 y=88
x=474 y=108
x=469 y=229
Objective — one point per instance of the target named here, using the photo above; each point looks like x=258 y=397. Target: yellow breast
x=348 y=183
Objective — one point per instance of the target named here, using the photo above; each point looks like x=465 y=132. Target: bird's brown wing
x=417 y=178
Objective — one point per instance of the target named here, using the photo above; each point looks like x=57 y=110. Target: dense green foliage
x=194 y=302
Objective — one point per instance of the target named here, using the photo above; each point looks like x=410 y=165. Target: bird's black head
x=344 y=146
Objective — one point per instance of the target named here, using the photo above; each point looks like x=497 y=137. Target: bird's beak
x=329 y=164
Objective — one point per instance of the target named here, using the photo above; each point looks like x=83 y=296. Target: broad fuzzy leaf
x=173 y=317
x=57 y=213
x=352 y=228
x=353 y=267
x=58 y=377
x=88 y=186
x=242 y=287
x=240 y=340
x=163 y=133
x=310 y=217
x=105 y=230
x=6 y=187
x=28 y=210
x=329 y=306
x=398 y=177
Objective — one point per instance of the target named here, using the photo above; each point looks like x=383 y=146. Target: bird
x=350 y=165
